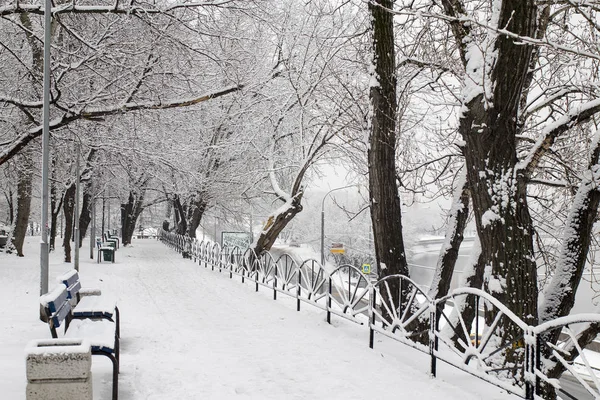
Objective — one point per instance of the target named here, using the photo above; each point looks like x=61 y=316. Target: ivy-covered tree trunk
x=383 y=189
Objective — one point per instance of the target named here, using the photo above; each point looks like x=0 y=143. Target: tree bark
x=24 y=182
x=499 y=192
x=55 y=207
x=383 y=189
x=489 y=126
x=86 y=212
x=180 y=216
x=10 y=204
x=195 y=212
x=276 y=223
x=68 y=209
x=130 y=212
x=440 y=286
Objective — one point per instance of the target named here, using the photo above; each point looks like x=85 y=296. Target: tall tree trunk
x=68 y=209
x=180 y=216
x=560 y=294
x=10 y=204
x=86 y=212
x=195 y=212
x=498 y=191
x=446 y=263
x=55 y=205
x=466 y=306
x=489 y=126
x=24 y=183
x=276 y=223
x=56 y=202
x=103 y=216
x=383 y=189
x=130 y=212
x=26 y=164
x=86 y=207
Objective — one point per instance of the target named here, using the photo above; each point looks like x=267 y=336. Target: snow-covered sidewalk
x=192 y=333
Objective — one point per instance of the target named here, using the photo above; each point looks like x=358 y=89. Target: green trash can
x=108 y=254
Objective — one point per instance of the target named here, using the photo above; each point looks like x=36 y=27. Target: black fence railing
x=505 y=351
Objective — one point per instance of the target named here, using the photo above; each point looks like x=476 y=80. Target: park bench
x=109 y=237
x=106 y=251
x=89 y=303
x=101 y=333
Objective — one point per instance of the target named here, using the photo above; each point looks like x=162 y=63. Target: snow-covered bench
x=101 y=333
x=110 y=237
x=106 y=251
x=89 y=303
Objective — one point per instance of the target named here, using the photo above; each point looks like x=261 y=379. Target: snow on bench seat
x=99 y=333
x=88 y=303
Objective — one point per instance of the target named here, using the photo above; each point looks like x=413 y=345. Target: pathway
x=192 y=333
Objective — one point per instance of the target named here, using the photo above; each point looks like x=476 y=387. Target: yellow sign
x=366 y=268
x=337 y=248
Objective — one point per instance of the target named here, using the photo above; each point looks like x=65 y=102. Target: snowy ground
x=191 y=333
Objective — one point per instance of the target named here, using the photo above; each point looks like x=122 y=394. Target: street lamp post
x=323 y=220
x=44 y=246
x=77 y=190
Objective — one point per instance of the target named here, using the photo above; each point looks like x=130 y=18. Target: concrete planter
x=59 y=369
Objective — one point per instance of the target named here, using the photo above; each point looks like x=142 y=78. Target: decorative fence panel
x=496 y=346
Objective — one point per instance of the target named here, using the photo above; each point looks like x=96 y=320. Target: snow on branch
x=552 y=131
x=20 y=103
x=72 y=7
x=560 y=294
x=465 y=21
x=90 y=114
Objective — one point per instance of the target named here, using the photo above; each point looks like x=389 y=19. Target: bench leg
x=117 y=352
x=118 y=315
x=115 y=363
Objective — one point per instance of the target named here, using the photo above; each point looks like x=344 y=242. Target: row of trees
x=491 y=103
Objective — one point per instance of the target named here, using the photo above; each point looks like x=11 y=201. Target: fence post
x=275 y=283
x=256 y=273
x=299 y=291
x=433 y=337
x=329 y=302
x=532 y=363
x=538 y=364
x=372 y=304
